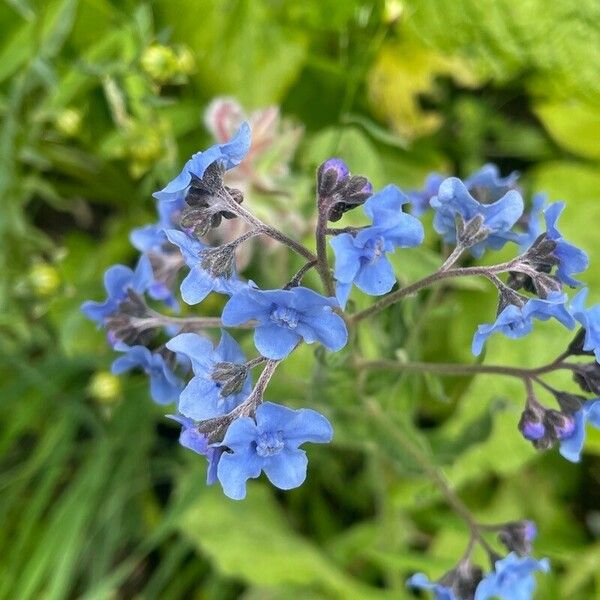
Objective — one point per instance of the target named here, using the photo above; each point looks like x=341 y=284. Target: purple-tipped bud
x=562 y=425
x=331 y=176
x=517 y=536
x=531 y=425
x=338 y=190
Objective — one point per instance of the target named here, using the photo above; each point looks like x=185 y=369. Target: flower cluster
x=509 y=578
x=221 y=407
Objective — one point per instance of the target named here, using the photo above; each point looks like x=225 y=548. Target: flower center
x=269 y=443
x=285 y=316
x=373 y=250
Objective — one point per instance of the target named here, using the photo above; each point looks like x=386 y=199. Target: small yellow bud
x=186 y=61
x=160 y=62
x=44 y=279
x=105 y=387
x=392 y=11
x=68 y=122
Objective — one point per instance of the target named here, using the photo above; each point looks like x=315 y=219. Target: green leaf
x=251 y=540
x=240 y=47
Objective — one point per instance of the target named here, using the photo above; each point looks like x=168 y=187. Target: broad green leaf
x=252 y=541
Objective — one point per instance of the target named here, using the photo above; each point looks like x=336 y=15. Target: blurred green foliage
x=101 y=101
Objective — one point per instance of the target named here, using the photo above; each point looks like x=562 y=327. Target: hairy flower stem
x=426 y=282
x=249 y=405
x=321 y=242
x=158 y=320
x=453 y=258
x=297 y=278
x=458 y=369
x=273 y=233
x=433 y=473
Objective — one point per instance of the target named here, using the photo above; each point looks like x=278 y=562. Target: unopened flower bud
x=331 y=176
x=160 y=62
x=44 y=279
x=588 y=377
x=68 y=122
x=518 y=536
x=561 y=425
x=105 y=387
x=338 y=191
x=531 y=423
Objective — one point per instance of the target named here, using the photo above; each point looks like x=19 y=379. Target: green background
x=97 y=498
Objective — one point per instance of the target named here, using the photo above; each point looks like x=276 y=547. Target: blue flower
x=571 y=259
x=454 y=200
x=361 y=259
x=590 y=321
x=485 y=184
x=420 y=581
x=165 y=387
x=512 y=578
x=118 y=279
x=420 y=199
x=534 y=229
x=572 y=445
x=171 y=197
x=152 y=238
x=199 y=282
x=192 y=439
x=515 y=322
x=207 y=395
x=285 y=317
x=229 y=154
x=270 y=443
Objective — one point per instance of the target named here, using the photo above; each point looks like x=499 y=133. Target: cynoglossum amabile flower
x=486 y=185
x=118 y=279
x=270 y=443
x=568 y=258
x=572 y=445
x=454 y=200
x=220 y=382
x=200 y=282
x=512 y=578
x=284 y=317
x=165 y=386
x=361 y=258
x=515 y=322
x=229 y=154
x=193 y=439
x=590 y=321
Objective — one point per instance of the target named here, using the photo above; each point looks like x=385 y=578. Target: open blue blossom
x=165 y=386
x=515 y=322
x=211 y=392
x=199 y=282
x=270 y=443
x=118 y=279
x=420 y=199
x=229 y=154
x=571 y=259
x=420 y=581
x=361 y=259
x=170 y=200
x=192 y=439
x=512 y=578
x=486 y=185
x=454 y=200
x=590 y=321
x=285 y=317
x=572 y=445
